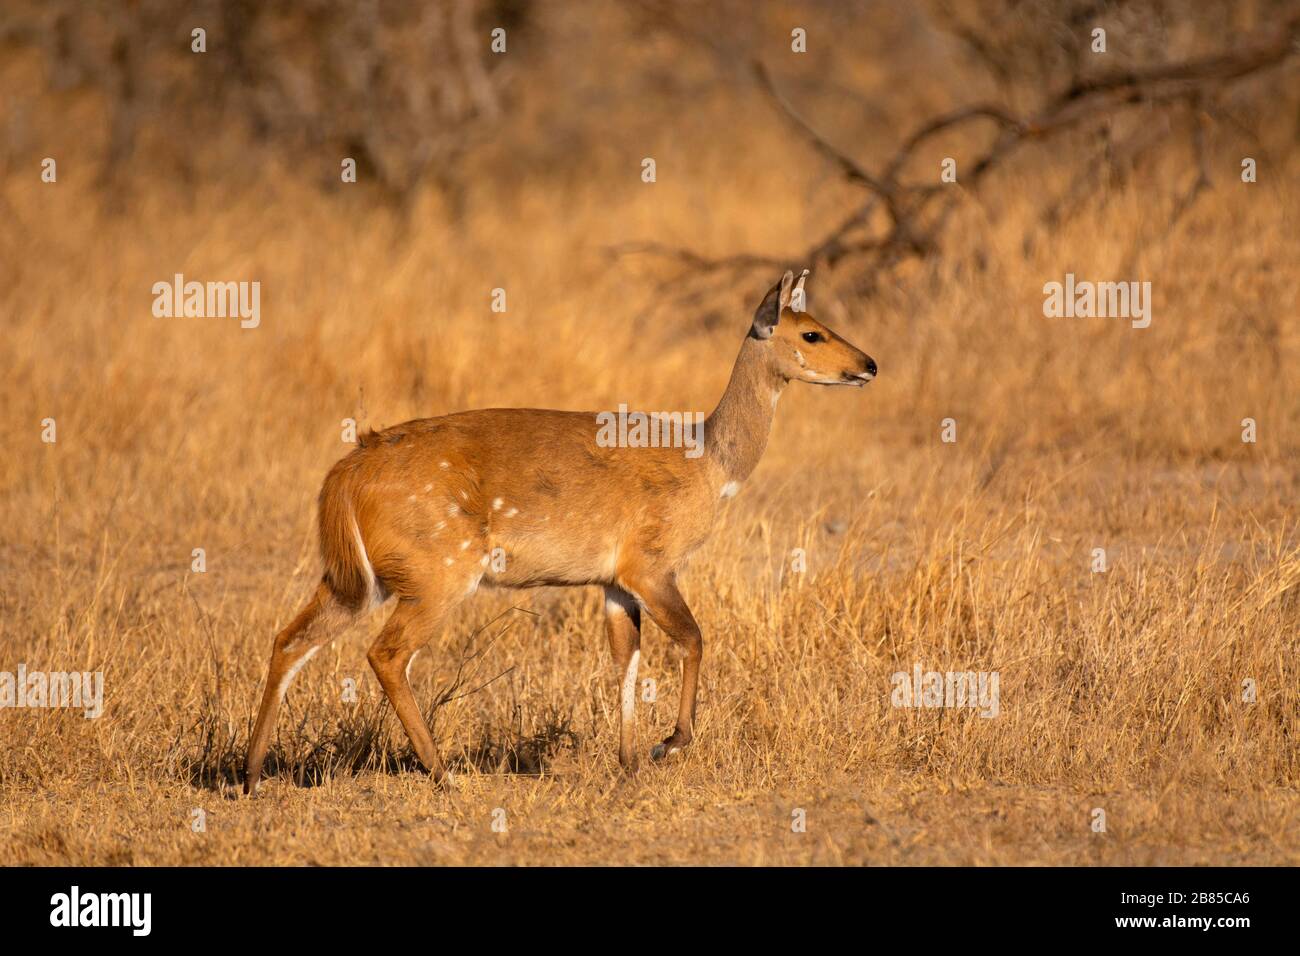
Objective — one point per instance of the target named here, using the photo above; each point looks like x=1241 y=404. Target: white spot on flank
x=440 y=525
x=483 y=561
x=464 y=544
x=464 y=495
x=629 y=688
x=729 y=489
x=452 y=509
x=448 y=561
x=410 y=497
x=496 y=504
x=512 y=512
x=444 y=464
x=428 y=487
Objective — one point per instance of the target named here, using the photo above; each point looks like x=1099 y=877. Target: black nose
x=871 y=365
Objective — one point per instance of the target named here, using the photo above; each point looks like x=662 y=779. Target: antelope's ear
x=768 y=312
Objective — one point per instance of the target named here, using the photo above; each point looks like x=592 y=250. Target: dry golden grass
x=1120 y=690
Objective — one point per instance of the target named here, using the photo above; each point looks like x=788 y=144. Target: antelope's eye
x=812 y=336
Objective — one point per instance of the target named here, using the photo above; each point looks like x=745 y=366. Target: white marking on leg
x=618 y=601
x=629 y=689
x=292 y=672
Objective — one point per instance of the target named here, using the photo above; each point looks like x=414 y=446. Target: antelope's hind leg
x=314 y=626
x=411 y=625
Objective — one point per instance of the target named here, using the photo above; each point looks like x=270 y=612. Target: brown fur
x=421 y=510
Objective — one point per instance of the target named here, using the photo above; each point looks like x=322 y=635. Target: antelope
x=417 y=511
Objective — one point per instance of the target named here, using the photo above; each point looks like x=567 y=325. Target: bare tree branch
x=851 y=170
x=916 y=221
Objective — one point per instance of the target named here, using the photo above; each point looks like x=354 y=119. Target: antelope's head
x=804 y=350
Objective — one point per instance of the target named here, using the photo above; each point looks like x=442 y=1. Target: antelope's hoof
x=666 y=749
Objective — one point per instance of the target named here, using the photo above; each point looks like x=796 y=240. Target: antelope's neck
x=735 y=435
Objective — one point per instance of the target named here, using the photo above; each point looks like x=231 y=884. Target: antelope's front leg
x=668 y=608
x=623 y=626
